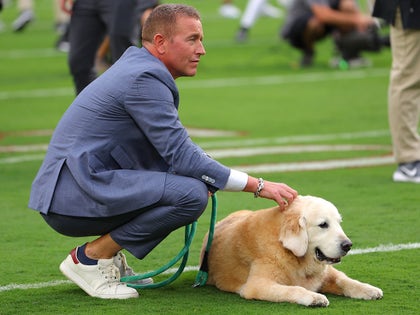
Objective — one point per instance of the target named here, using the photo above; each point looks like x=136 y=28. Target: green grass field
x=327 y=129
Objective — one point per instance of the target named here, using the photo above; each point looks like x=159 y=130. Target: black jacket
x=410 y=12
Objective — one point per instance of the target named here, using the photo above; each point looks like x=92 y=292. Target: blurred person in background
x=309 y=21
x=62 y=25
x=103 y=58
x=228 y=10
x=26 y=15
x=403 y=17
x=1 y=9
x=125 y=26
x=89 y=24
x=61 y=19
x=1 y=5
x=91 y=21
x=253 y=10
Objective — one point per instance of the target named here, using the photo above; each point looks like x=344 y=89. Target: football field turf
x=323 y=131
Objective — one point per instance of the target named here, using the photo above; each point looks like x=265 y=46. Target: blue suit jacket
x=117 y=141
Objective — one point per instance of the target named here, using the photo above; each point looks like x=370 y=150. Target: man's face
x=184 y=49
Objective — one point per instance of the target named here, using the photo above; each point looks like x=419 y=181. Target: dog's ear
x=293 y=234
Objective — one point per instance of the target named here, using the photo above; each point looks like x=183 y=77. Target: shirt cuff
x=237 y=181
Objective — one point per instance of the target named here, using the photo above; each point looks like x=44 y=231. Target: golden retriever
x=284 y=256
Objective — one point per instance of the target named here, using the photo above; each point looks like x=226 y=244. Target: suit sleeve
x=152 y=103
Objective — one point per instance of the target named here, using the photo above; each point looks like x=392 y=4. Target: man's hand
x=363 y=22
x=279 y=192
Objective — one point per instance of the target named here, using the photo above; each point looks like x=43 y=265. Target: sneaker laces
x=110 y=273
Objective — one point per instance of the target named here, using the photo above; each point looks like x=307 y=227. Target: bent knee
x=186 y=193
x=199 y=196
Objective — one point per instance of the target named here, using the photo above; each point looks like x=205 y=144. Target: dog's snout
x=346 y=245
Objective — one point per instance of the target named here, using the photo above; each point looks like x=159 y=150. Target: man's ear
x=159 y=42
x=293 y=234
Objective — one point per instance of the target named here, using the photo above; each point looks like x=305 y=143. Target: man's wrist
x=260 y=187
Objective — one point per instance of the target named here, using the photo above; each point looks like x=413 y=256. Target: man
x=404 y=87
x=121 y=165
x=309 y=21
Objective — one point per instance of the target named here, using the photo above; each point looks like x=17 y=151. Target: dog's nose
x=346 y=245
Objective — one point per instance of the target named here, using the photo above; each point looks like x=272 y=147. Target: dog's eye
x=323 y=225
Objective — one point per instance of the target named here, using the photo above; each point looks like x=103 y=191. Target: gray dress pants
x=141 y=230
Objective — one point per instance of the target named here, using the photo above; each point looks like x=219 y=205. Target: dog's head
x=311 y=226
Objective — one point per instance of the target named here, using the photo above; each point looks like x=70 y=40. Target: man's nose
x=201 y=49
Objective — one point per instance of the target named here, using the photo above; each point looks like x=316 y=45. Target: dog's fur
x=284 y=256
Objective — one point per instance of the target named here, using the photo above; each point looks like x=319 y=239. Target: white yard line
x=23 y=148
x=224 y=82
x=234 y=142
x=20 y=159
x=283 y=79
x=240 y=151
x=295 y=139
x=245 y=152
x=260 y=168
x=316 y=165
x=240 y=142
x=385 y=248
x=39 y=93
x=54 y=283
x=30 y=53
x=266 y=168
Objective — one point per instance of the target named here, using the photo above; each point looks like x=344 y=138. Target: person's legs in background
x=89 y=25
x=62 y=27
x=229 y=10
x=404 y=101
x=251 y=13
x=26 y=15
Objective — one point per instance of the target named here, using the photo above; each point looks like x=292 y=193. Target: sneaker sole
x=67 y=270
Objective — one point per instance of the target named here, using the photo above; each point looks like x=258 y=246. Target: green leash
x=203 y=273
x=189 y=235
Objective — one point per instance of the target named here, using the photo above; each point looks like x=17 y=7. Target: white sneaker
x=229 y=11
x=126 y=271
x=408 y=172
x=101 y=280
x=25 y=17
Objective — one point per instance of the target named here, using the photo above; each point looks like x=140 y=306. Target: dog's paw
x=372 y=293
x=367 y=292
x=314 y=300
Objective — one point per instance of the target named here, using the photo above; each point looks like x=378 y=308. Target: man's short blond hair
x=163 y=18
